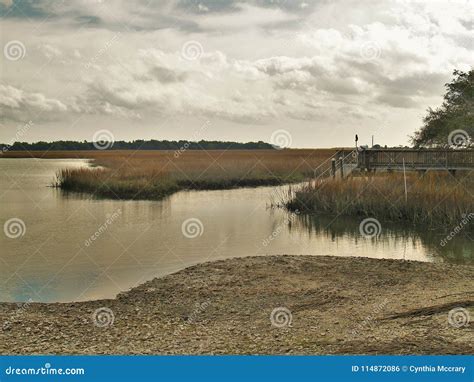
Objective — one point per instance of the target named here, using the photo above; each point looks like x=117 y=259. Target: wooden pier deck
x=415 y=159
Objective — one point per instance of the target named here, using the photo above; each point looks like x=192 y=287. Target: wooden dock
x=415 y=159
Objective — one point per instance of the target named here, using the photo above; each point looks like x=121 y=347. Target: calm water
x=78 y=248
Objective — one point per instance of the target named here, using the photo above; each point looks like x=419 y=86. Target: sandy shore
x=331 y=306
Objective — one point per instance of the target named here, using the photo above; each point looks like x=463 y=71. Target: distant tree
x=451 y=124
x=137 y=145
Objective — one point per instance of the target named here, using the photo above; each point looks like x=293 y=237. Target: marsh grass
x=434 y=200
x=156 y=174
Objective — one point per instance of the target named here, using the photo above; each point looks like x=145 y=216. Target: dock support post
x=333 y=168
x=342 y=167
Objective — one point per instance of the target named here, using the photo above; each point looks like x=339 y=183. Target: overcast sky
x=227 y=70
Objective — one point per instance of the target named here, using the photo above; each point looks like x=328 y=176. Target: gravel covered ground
x=320 y=305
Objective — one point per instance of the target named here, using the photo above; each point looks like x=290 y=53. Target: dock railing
x=416 y=159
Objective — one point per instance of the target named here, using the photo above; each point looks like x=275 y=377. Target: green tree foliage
x=454 y=119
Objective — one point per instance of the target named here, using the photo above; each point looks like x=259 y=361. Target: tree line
x=136 y=145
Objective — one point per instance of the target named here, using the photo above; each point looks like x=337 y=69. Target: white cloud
x=18 y=105
x=331 y=63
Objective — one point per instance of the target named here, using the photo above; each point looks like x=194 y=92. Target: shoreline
x=320 y=305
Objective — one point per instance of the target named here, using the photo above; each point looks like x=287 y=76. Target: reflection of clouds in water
x=410 y=244
x=147 y=242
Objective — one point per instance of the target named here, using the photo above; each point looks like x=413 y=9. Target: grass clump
x=154 y=175
x=434 y=200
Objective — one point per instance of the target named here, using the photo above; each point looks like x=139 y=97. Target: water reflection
x=460 y=250
x=56 y=259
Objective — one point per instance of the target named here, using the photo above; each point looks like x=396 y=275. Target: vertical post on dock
x=333 y=168
x=405 y=179
x=342 y=167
